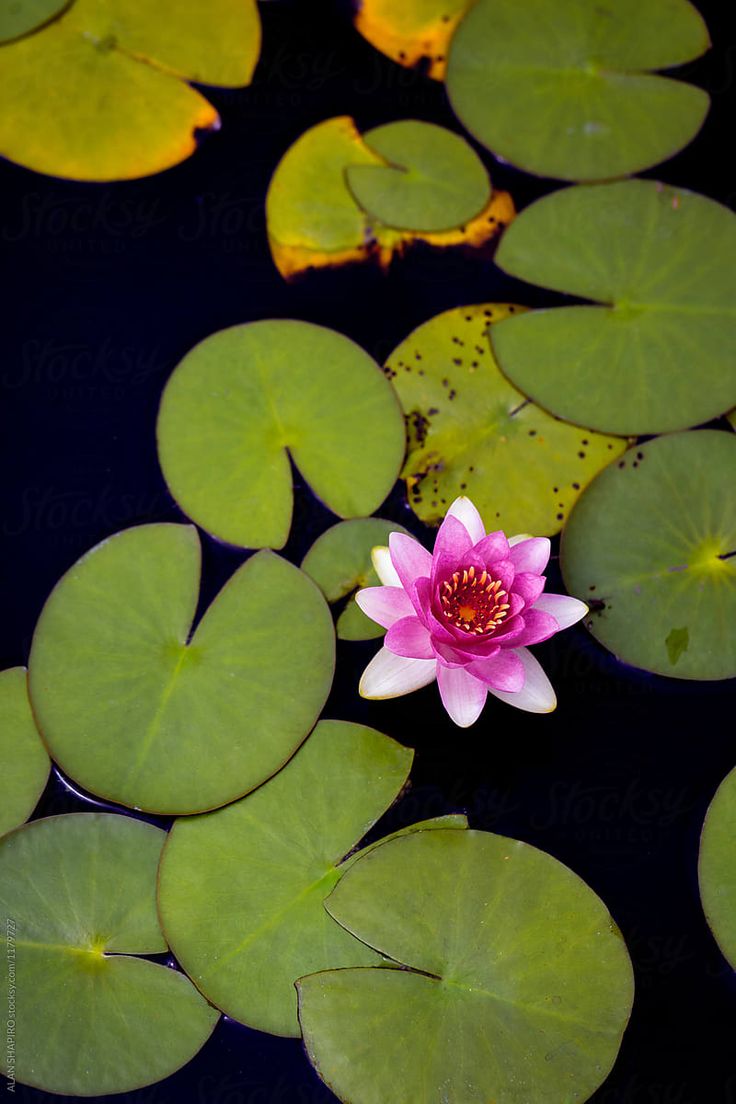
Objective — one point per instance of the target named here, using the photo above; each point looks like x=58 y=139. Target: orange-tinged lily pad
x=412 y=33
x=314 y=220
x=100 y=93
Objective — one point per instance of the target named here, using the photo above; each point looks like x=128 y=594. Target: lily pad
x=241 y=890
x=651 y=547
x=246 y=398
x=24 y=764
x=657 y=356
x=516 y=985
x=412 y=33
x=20 y=17
x=143 y=710
x=78 y=900
x=340 y=563
x=472 y=433
x=100 y=93
x=314 y=220
x=717 y=867
x=566 y=89
x=431 y=179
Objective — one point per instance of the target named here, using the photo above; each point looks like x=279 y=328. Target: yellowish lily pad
x=314 y=220
x=412 y=32
x=100 y=93
x=472 y=433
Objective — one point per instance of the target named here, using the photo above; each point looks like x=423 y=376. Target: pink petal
x=465 y=512
x=410 y=558
x=565 y=610
x=537 y=694
x=493 y=547
x=538 y=626
x=385 y=604
x=384 y=569
x=531 y=555
x=504 y=671
x=519 y=538
x=389 y=676
x=409 y=637
x=449 y=656
x=462 y=695
x=452 y=543
x=529 y=586
x=504 y=571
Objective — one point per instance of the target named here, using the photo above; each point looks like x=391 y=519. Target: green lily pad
x=340 y=563
x=245 y=399
x=431 y=179
x=664 y=596
x=20 y=17
x=566 y=89
x=717 y=867
x=516 y=986
x=657 y=356
x=78 y=899
x=314 y=220
x=471 y=432
x=24 y=764
x=100 y=93
x=139 y=709
x=412 y=33
x=241 y=890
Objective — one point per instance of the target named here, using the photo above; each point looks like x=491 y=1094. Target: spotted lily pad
x=100 y=93
x=717 y=867
x=241 y=890
x=246 y=398
x=651 y=547
x=20 y=17
x=472 y=433
x=657 y=355
x=78 y=901
x=414 y=32
x=24 y=764
x=313 y=217
x=516 y=985
x=340 y=563
x=431 y=179
x=138 y=707
x=567 y=89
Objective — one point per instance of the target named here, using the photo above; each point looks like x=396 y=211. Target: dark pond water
x=105 y=289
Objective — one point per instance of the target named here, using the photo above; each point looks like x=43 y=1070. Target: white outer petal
x=466 y=513
x=537 y=694
x=566 y=610
x=389 y=676
x=383 y=566
x=463 y=695
x=519 y=537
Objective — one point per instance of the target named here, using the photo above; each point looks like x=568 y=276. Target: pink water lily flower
x=464 y=615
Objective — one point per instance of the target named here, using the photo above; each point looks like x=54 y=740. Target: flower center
x=474 y=603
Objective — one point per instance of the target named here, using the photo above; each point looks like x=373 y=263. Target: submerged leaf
x=77 y=901
x=653 y=541
x=140 y=709
x=656 y=355
x=565 y=89
x=472 y=433
x=512 y=969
